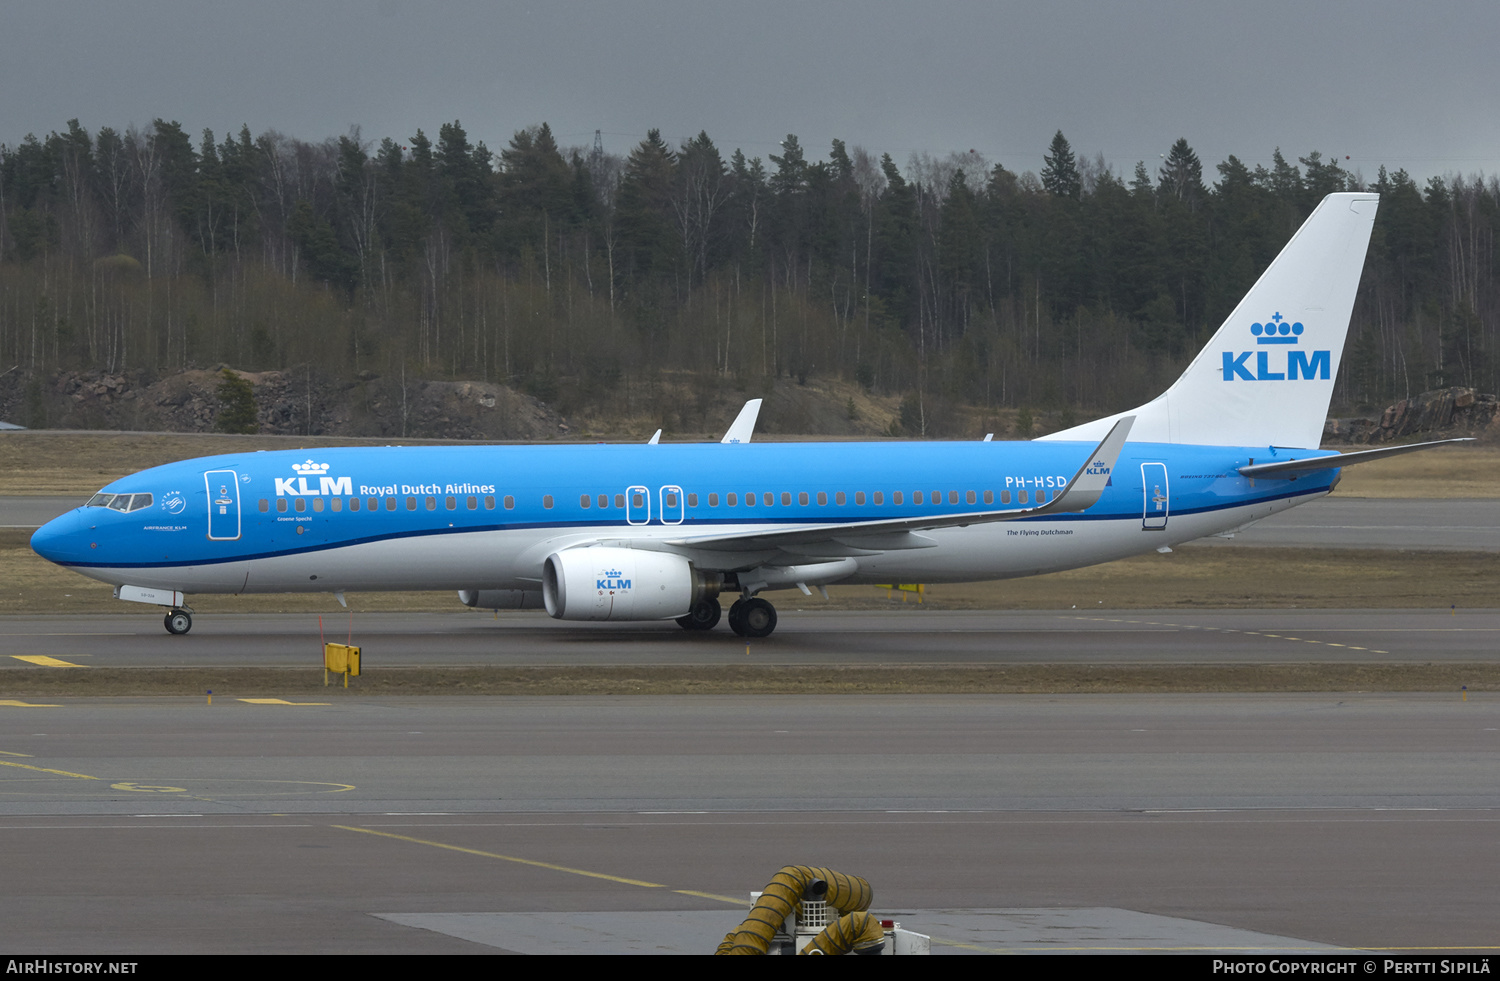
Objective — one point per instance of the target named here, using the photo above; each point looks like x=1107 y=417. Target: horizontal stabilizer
x=1310 y=464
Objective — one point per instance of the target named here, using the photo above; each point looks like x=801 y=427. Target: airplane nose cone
x=63 y=539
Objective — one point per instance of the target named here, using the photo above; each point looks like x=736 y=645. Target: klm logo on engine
x=612 y=580
x=1294 y=364
x=327 y=486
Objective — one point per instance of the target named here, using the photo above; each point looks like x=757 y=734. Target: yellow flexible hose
x=859 y=932
x=783 y=895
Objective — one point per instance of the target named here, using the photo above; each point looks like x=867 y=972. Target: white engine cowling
x=621 y=584
x=501 y=599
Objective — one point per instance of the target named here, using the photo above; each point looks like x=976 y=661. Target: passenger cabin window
x=1021 y=497
x=989 y=497
x=264 y=505
x=801 y=498
x=713 y=500
x=390 y=504
x=281 y=505
x=953 y=497
x=859 y=497
x=411 y=503
x=353 y=504
x=547 y=501
x=604 y=500
x=916 y=498
x=337 y=504
x=786 y=499
x=584 y=501
x=671 y=499
x=1005 y=497
x=838 y=499
x=451 y=503
x=300 y=504
x=692 y=500
x=895 y=497
x=473 y=503
x=432 y=504
x=317 y=504
x=637 y=499
x=510 y=503
x=619 y=500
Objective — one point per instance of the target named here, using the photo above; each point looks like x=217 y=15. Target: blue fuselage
x=485 y=516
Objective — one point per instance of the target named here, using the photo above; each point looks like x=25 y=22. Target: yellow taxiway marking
x=278 y=701
x=17 y=703
x=731 y=900
x=24 y=755
x=43 y=769
x=507 y=858
x=46 y=662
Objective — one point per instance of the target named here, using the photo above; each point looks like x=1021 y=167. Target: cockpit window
x=120 y=502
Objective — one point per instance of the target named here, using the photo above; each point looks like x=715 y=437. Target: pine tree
x=1060 y=170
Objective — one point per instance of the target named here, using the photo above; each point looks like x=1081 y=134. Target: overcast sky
x=1405 y=84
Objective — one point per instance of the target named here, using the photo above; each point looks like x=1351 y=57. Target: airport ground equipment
x=340 y=659
x=806 y=910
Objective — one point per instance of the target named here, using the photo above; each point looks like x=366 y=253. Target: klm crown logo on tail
x=1297 y=365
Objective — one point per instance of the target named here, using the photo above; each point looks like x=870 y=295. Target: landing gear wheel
x=758 y=618
x=737 y=617
x=178 y=622
x=703 y=616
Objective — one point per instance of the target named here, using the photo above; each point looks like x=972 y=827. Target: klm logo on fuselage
x=612 y=580
x=1294 y=365
x=327 y=486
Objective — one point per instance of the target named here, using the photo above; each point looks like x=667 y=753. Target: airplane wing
x=1291 y=468
x=864 y=537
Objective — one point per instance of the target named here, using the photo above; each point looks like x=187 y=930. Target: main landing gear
x=178 y=622
x=752 y=617
x=747 y=617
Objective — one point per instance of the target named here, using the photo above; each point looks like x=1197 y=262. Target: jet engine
x=501 y=599
x=622 y=584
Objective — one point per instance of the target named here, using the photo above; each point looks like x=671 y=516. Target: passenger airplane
x=656 y=532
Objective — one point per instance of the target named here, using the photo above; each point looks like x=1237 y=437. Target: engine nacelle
x=622 y=584
x=501 y=599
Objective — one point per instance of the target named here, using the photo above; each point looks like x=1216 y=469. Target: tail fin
x=1266 y=377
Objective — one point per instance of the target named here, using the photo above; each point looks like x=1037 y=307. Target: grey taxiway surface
x=1078 y=823
x=904 y=636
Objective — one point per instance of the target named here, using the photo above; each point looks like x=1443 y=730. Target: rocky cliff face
x=287 y=403
x=1444 y=412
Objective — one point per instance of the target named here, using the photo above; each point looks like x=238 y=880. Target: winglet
x=1088 y=484
x=744 y=423
x=655 y=438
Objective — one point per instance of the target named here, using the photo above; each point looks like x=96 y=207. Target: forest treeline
x=578 y=275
